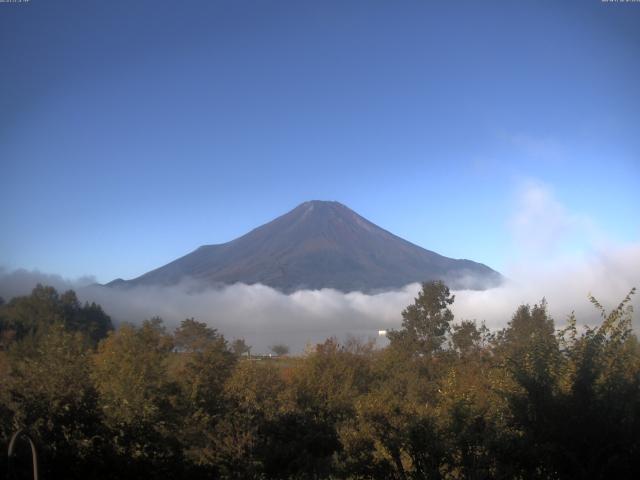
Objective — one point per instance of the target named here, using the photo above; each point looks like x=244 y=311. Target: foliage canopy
x=446 y=400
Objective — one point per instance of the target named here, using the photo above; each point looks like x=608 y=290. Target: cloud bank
x=21 y=282
x=264 y=316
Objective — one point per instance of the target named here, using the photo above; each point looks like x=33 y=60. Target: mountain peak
x=322 y=205
x=320 y=244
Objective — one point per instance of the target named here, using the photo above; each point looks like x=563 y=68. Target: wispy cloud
x=542 y=148
x=536 y=147
x=542 y=226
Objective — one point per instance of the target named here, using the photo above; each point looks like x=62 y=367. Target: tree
x=137 y=398
x=528 y=356
x=426 y=322
x=88 y=318
x=203 y=365
x=200 y=368
x=253 y=396
x=468 y=338
x=601 y=398
x=279 y=349
x=404 y=441
x=24 y=316
x=51 y=395
x=192 y=336
x=239 y=347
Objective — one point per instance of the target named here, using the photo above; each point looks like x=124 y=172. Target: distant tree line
x=445 y=399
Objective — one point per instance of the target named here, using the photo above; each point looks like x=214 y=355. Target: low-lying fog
x=264 y=316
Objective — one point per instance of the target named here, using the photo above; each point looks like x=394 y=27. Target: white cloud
x=607 y=274
x=260 y=314
x=542 y=226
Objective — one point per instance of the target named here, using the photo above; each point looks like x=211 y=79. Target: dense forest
x=446 y=399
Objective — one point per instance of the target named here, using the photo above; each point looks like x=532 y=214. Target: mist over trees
x=446 y=399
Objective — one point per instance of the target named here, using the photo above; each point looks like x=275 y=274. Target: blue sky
x=131 y=132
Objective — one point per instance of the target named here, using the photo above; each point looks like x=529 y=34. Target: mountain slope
x=319 y=245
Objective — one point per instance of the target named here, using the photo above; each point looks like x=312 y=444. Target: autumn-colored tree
x=253 y=395
x=330 y=378
x=444 y=400
x=201 y=367
x=137 y=398
x=50 y=394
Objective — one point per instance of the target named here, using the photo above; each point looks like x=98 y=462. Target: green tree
x=528 y=353
x=88 y=318
x=467 y=338
x=25 y=315
x=598 y=435
x=425 y=323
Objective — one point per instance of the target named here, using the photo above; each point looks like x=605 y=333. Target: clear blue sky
x=132 y=132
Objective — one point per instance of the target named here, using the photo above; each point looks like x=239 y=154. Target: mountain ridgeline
x=318 y=245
